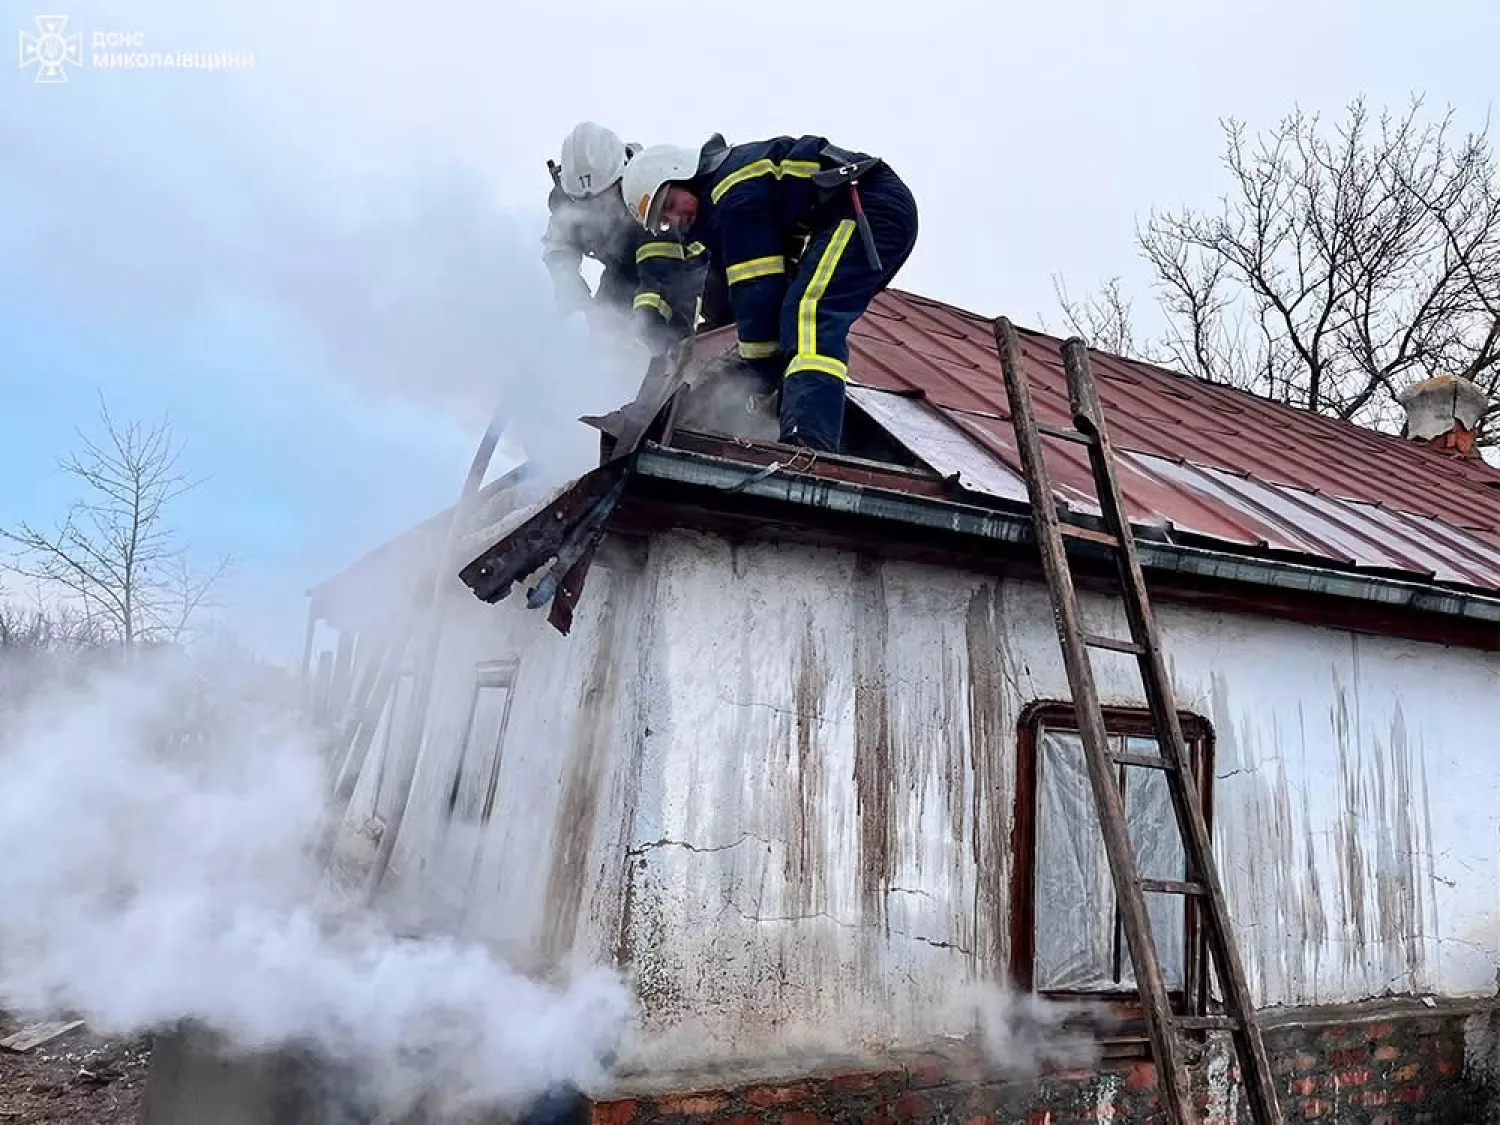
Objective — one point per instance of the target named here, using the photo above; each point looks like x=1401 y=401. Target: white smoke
x=159 y=832
x=421 y=290
x=1021 y=1033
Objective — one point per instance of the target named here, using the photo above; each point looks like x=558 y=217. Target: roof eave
x=850 y=499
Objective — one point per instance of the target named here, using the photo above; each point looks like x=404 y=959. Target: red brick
x=1377 y=1096
x=1304 y=1086
x=912 y=1106
x=1097 y=1113
x=744 y=1119
x=1314 y=1108
x=1141 y=1076
x=1349 y=1057
x=983 y=1119
x=1387 y=1053
x=1385 y=1119
x=860 y=1082
x=1380 y=1030
x=927 y=1074
x=1410 y=1095
x=613 y=1113
x=1304 y=1063
x=1074 y=1075
x=762 y=1096
x=800 y=1118
x=692 y=1105
x=1449 y=1067
x=1353 y=1078
x=1406 y=1073
x=1040 y=1117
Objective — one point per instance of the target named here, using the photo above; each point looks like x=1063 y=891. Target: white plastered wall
x=781 y=782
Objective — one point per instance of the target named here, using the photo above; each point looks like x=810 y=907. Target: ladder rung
x=1207 y=1023
x=1093 y=640
x=1064 y=433
x=1073 y=531
x=1172 y=887
x=1149 y=761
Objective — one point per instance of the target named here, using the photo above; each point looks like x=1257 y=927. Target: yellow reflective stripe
x=807 y=308
x=650 y=250
x=653 y=301
x=819 y=363
x=740 y=175
x=756 y=267
x=798 y=169
x=695 y=248
x=758 y=350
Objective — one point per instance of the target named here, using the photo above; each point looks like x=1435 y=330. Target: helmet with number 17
x=592 y=159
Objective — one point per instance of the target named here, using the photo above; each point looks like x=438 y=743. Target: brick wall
x=1379 y=1070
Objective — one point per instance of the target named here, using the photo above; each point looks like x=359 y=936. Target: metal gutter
x=704 y=471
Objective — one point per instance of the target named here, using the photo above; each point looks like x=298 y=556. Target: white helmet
x=647 y=176
x=592 y=159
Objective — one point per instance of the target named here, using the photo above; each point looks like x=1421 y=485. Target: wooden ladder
x=1201 y=883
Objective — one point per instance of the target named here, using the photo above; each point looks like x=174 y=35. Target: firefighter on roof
x=588 y=218
x=806 y=234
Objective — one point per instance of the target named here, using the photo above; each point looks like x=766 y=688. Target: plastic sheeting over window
x=1080 y=945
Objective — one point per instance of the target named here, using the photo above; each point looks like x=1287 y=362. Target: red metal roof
x=1204 y=459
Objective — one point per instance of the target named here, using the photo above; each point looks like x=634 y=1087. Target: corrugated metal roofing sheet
x=1203 y=460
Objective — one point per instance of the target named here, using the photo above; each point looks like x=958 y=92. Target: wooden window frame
x=1198 y=734
x=487 y=675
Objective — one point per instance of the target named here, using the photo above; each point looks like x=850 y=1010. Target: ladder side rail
x=1130 y=898
x=1182 y=782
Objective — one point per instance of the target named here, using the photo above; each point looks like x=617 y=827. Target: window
x=467 y=800
x=1068 y=936
x=471 y=797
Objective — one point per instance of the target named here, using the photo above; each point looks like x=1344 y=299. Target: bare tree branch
x=1103 y=319
x=1342 y=265
x=115 y=553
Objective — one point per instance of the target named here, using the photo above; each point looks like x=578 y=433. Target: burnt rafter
x=543 y=535
x=567 y=531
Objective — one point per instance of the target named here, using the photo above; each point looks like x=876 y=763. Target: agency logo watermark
x=52 y=48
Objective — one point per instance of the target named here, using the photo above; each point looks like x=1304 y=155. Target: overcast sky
x=324 y=264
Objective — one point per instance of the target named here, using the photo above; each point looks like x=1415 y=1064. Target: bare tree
x=1343 y=265
x=39 y=628
x=1102 y=318
x=115 y=554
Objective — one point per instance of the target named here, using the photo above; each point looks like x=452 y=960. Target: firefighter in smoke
x=806 y=233
x=587 y=218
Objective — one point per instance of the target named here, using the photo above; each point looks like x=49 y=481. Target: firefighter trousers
x=834 y=285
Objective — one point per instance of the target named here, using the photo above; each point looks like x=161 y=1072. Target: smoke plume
x=158 y=832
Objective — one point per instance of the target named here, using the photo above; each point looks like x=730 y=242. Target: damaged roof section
x=1201 y=465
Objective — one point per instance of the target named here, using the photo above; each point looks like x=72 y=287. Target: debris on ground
x=75 y=1077
x=39 y=1034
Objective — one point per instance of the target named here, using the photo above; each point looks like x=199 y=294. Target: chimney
x=1444 y=412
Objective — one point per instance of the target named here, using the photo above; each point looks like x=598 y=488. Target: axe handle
x=865 y=232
